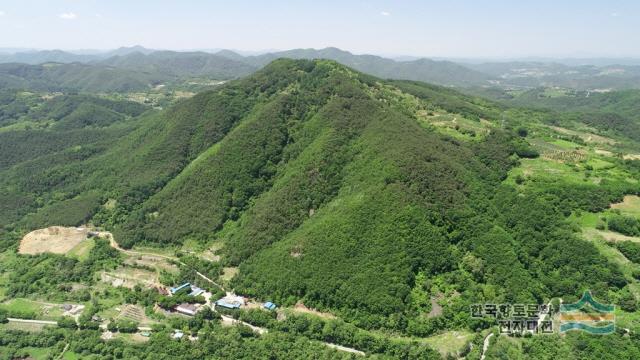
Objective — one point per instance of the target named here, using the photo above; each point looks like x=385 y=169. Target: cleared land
x=451 y=342
x=303 y=309
x=228 y=273
x=630 y=204
x=54 y=239
x=24 y=326
x=587 y=137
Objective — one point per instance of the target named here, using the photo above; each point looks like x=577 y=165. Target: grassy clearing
x=130 y=277
x=564 y=144
x=156 y=262
x=193 y=245
x=599 y=164
x=70 y=355
x=29 y=327
x=610 y=252
x=82 y=250
x=39 y=353
x=586 y=219
x=630 y=205
x=26 y=125
x=545 y=170
x=228 y=273
x=30 y=308
x=612 y=236
x=167 y=251
x=450 y=342
x=455 y=125
x=21 y=305
x=586 y=136
x=131 y=338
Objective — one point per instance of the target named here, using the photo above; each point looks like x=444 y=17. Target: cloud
x=615 y=14
x=68 y=16
x=385 y=13
x=2 y=13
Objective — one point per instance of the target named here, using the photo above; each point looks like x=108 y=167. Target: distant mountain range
x=138 y=68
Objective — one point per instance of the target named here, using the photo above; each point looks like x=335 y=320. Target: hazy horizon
x=592 y=60
x=455 y=29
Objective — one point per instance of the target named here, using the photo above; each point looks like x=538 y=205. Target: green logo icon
x=587 y=315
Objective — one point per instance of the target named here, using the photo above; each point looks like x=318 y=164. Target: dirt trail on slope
x=116 y=246
x=485 y=346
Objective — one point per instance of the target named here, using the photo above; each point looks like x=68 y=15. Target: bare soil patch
x=436 y=308
x=130 y=277
x=54 y=239
x=152 y=261
x=604 y=152
x=302 y=308
x=630 y=204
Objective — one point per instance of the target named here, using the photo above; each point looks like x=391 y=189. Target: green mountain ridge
x=363 y=198
x=75 y=77
x=309 y=135
x=159 y=66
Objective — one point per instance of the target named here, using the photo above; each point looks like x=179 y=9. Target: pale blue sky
x=455 y=28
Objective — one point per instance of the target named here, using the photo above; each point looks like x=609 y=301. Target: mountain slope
x=329 y=190
x=437 y=72
x=75 y=77
x=181 y=64
x=334 y=188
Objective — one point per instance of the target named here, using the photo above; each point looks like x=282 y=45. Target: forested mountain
x=156 y=66
x=35 y=57
x=76 y=77
x=437 y=72
x=392 y=206
x=44 y=56
x=181 y=64
x=228 y=64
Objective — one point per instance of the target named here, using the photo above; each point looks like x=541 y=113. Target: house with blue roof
x=183 y=287
x=195 y=291
x=228 y=304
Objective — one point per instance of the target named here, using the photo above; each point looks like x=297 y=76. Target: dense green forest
x=392 y=206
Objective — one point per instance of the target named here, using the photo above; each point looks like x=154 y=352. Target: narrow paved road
x=227 y=320
x=485 y=346
x=345 y=349
x=66 y=347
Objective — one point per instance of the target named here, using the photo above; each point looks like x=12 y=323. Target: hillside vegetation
x=374 y=201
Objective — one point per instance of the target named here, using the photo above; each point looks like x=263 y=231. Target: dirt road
x=485 y=346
